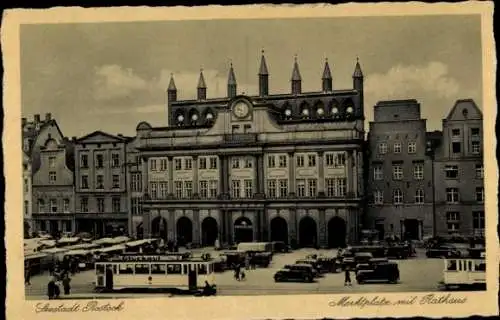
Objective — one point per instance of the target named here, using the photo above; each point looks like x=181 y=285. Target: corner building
x=284 y=167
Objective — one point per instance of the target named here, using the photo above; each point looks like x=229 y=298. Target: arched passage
x=184 y=231
x=336 y=232
x=159 y=228
x=243 y=230
x=279 y=229
x=209 y=231
x=307 y=232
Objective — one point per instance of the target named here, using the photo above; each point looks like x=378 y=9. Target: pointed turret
x=172 y=90
x=263 y=77
x=357 y=70
x=296 y=78
x=202 y=87
x=327 y=78
x=357 y=84
x=231 y=83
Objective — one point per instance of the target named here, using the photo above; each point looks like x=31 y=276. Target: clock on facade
x=241 y=109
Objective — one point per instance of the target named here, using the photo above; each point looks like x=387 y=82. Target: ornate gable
x=465 y=109
x=100 y=137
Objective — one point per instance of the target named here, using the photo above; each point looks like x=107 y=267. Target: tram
x=153 y=272
x=464 y=271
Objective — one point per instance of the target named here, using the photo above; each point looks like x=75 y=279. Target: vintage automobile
x=261 y=259
x=443 y=251
x=280 y=247
x=293 y=275
x=233 y=257
x=357 y=258
x=328 y=264
x=386 y=271
x=398 y=251
x=313 y=262
x=303 y=267
x=378 y=251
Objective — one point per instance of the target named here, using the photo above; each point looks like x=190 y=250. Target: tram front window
x=126 y=268
x=100 y=269
x=174 y=269
x=202 y=269
x=158 y=269
x=452 y=265
x=142 y=269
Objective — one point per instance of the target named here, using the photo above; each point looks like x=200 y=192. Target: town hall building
x=268 y=167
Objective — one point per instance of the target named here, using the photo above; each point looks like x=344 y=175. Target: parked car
x=303 y=267
x=387 y=271
x=443 y=251
x=280 y=247
x=313 y=262
x=328 y=264
x=293 y=275
x=261 y=259
x=355 y=259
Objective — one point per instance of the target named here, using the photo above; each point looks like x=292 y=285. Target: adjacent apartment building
x=101 y=184
x=52 y=166
x=265 y=167
x=459 y=172
x=400 y=172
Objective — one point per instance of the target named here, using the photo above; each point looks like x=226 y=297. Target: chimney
x=24 y=121
x=48 y=116
x=37 y=118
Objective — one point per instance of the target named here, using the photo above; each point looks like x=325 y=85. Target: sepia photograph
x=255 y=157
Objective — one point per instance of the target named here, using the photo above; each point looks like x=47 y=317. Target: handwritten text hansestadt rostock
x=379 y=301
x=92 y=306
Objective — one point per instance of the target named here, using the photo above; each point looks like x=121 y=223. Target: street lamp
x=430 y=152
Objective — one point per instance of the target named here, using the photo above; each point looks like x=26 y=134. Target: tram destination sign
x=144 y=258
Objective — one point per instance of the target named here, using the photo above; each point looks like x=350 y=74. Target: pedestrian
x=57 y=291
x=347 y=280
x=51 y=288
x=66 y=284
x=242 y=275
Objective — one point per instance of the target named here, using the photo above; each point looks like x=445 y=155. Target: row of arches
x=194 y=117
x=318 y=109
x=244 y=231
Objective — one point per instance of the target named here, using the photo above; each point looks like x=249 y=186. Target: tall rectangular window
x=271 y=188
x=474 y=132
x=26 y=207
x=378 y=173
x=66 y=205
x=453 y=221
x=136 y=182
x=478 y=222
x=84 y=161
x=412 y=147
x=330 y=160
x=163 y=164
x=26 y=185
x=84 y=182
x=115 y=160
x=397 y=147
x=475 y=147
x=311 y=160
x=419 y=196
x=213 y=163
x=152 y=164
x=153 y=186
x=214 y=188
x=235 y=189
x=188 y=189
x=330 y=187
x=456 y=147
x=248 y=188
x=202 y=163
x=178 y=189
x=452 y=195
x=99 y=181
x=418 y=171
x=188 y=164
x=52 y=162
x=163 y=190
x=178 y=164
x=53 y=205
x=235 y=163
x=382 y=148
x=397 y=172
x=282 y=161
x=248 y=162
x=116 y=181
x=203 y=189
x=479 y=171
x=301 y=188
x=397 y=196
x=341 y=184
x=100 y=205
x=84 y=204
x=300 y=161
x=283 y=184
x=41 y=205
x=116 y=205
x=312 y=187
x=271 y=161
x=99 y=160
x=480 y=194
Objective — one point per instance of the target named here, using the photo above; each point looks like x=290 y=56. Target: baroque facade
x=239 y=168
x=101 y=184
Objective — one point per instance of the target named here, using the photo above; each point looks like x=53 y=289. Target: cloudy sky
x=111 y=76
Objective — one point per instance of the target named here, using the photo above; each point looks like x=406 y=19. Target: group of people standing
x=59 y=274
